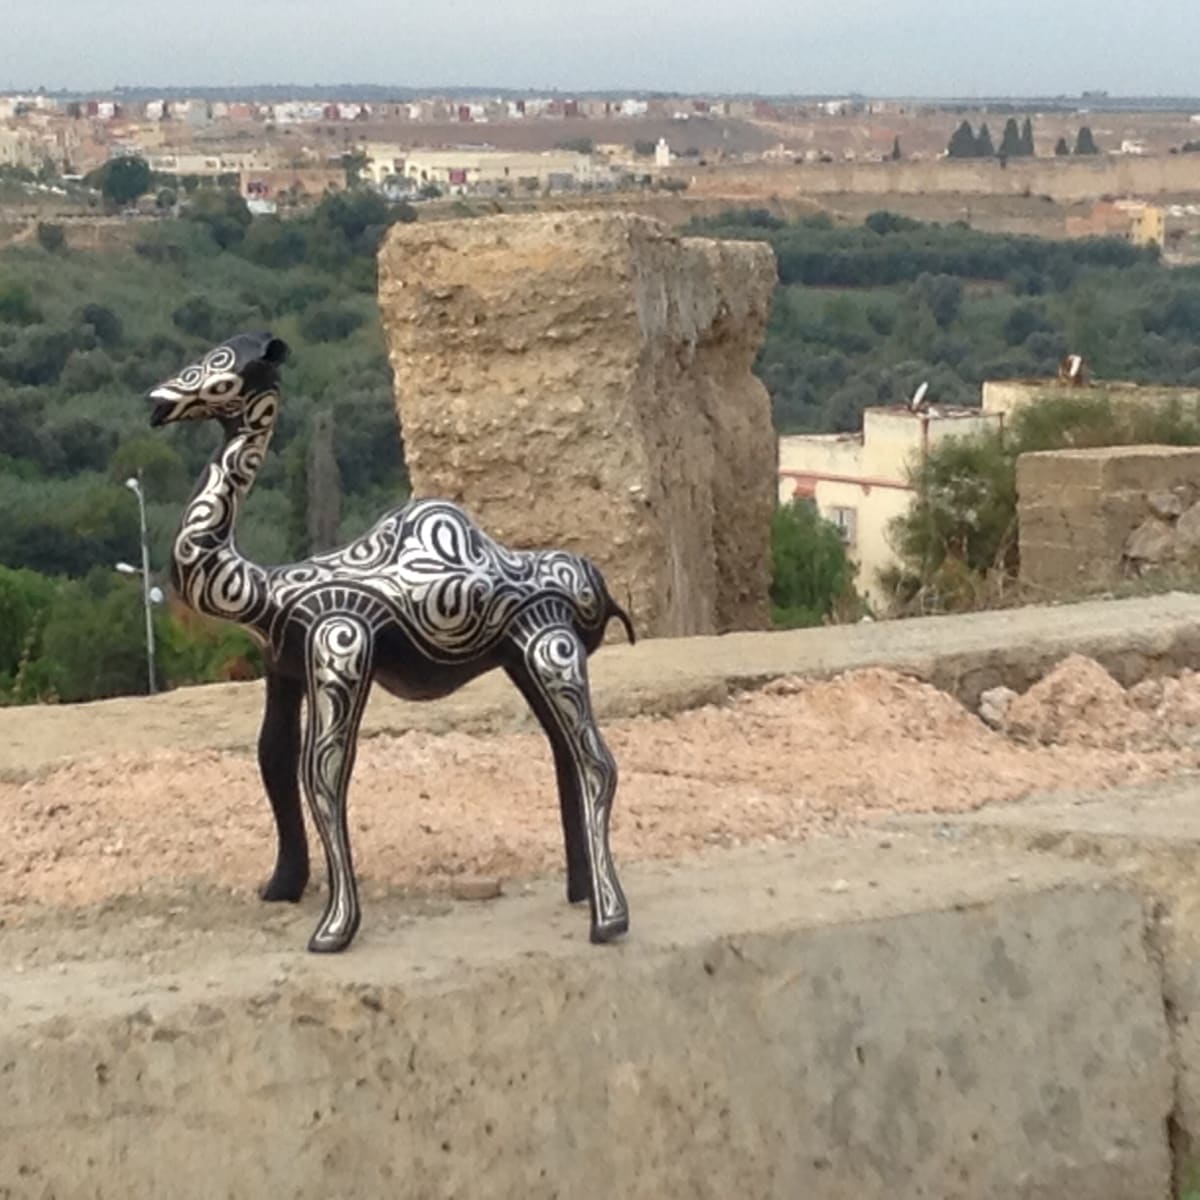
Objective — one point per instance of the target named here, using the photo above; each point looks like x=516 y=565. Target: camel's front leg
x=339 y=655
x=279 y=762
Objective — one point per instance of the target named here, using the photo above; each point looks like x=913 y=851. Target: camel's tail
x=615 y=610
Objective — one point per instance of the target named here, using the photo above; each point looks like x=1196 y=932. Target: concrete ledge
x=1149 y=835
x=852 y=1020
x=963 y=655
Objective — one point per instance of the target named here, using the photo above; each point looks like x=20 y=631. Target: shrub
x=330 y=324
x=810 y=571
x=51 y=238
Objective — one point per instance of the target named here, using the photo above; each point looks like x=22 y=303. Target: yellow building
x=1138 y=222
x=859 y=481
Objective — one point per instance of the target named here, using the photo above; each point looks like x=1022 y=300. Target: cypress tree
x=1010 y=143
x=962 y=142
x=1027 y=147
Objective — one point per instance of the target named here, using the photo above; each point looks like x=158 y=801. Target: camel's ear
x=261 y=347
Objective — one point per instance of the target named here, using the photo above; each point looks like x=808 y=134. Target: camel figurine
x=423 y=602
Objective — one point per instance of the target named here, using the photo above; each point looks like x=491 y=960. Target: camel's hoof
x=610 y=930
x=289 y=888
x=332 y=941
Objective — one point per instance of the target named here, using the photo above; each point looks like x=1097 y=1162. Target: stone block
x=584 y=380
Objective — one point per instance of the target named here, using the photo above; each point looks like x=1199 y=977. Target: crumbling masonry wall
x=1089 y=518
x=584 y=380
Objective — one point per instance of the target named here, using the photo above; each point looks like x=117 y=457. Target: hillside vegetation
x=862 y=315
x=83 y=336
x=865 y=313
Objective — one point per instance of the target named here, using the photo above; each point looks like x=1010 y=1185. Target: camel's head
x=219 y=385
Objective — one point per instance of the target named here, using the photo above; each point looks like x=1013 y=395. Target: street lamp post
x=134 y=484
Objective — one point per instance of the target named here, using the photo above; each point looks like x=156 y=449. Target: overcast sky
x=878 y=47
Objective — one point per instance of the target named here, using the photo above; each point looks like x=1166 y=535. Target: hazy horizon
x=913 y=49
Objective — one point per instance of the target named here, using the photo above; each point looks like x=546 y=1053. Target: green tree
x=16 y=304
x=354 y=163
x=93 y=644
x=122 y=180
x=983 y=143
x=1085 y=143
x=1061 y=149
x=275 y=243
x=106 y=325
x=197 y=316
x=164 y=474
x=810 y=570
x=1010 y=142
x=324 y=485
x=896 y=148
x=941 y=294
x=51 y=238
x=223 y=213
x=963 y=143
x=1022 y=321
x=196 y=649
x=25 y=601
x=330 y=324
x=1027 y=147
x=86 y=371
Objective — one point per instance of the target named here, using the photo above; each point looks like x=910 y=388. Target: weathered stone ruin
x=584 y=381
x=1089 y=518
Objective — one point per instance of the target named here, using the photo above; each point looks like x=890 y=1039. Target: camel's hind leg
x=579 y=885
x=279 y=762
x=552 y=674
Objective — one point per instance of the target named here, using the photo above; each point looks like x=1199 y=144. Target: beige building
x=172 y=161
x=462 y=171
x=860 y=481
x=19 y=149
x=384 y=160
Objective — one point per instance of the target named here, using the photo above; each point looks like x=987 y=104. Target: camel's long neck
x=208 y=570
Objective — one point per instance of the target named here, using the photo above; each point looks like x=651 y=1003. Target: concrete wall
x=1008 y=395
x=1075 y=179
x=974 y=1027
x=823 y=453
x=1077 y=509
x=1151 y=835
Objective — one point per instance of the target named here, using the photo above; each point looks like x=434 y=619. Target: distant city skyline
x=913 y=48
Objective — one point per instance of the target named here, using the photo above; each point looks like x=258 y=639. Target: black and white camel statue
x=423 y=602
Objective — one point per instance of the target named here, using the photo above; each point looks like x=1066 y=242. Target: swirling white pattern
x=464 y=602
x=432 y=570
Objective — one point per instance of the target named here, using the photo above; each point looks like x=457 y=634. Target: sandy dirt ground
x=436 y=813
